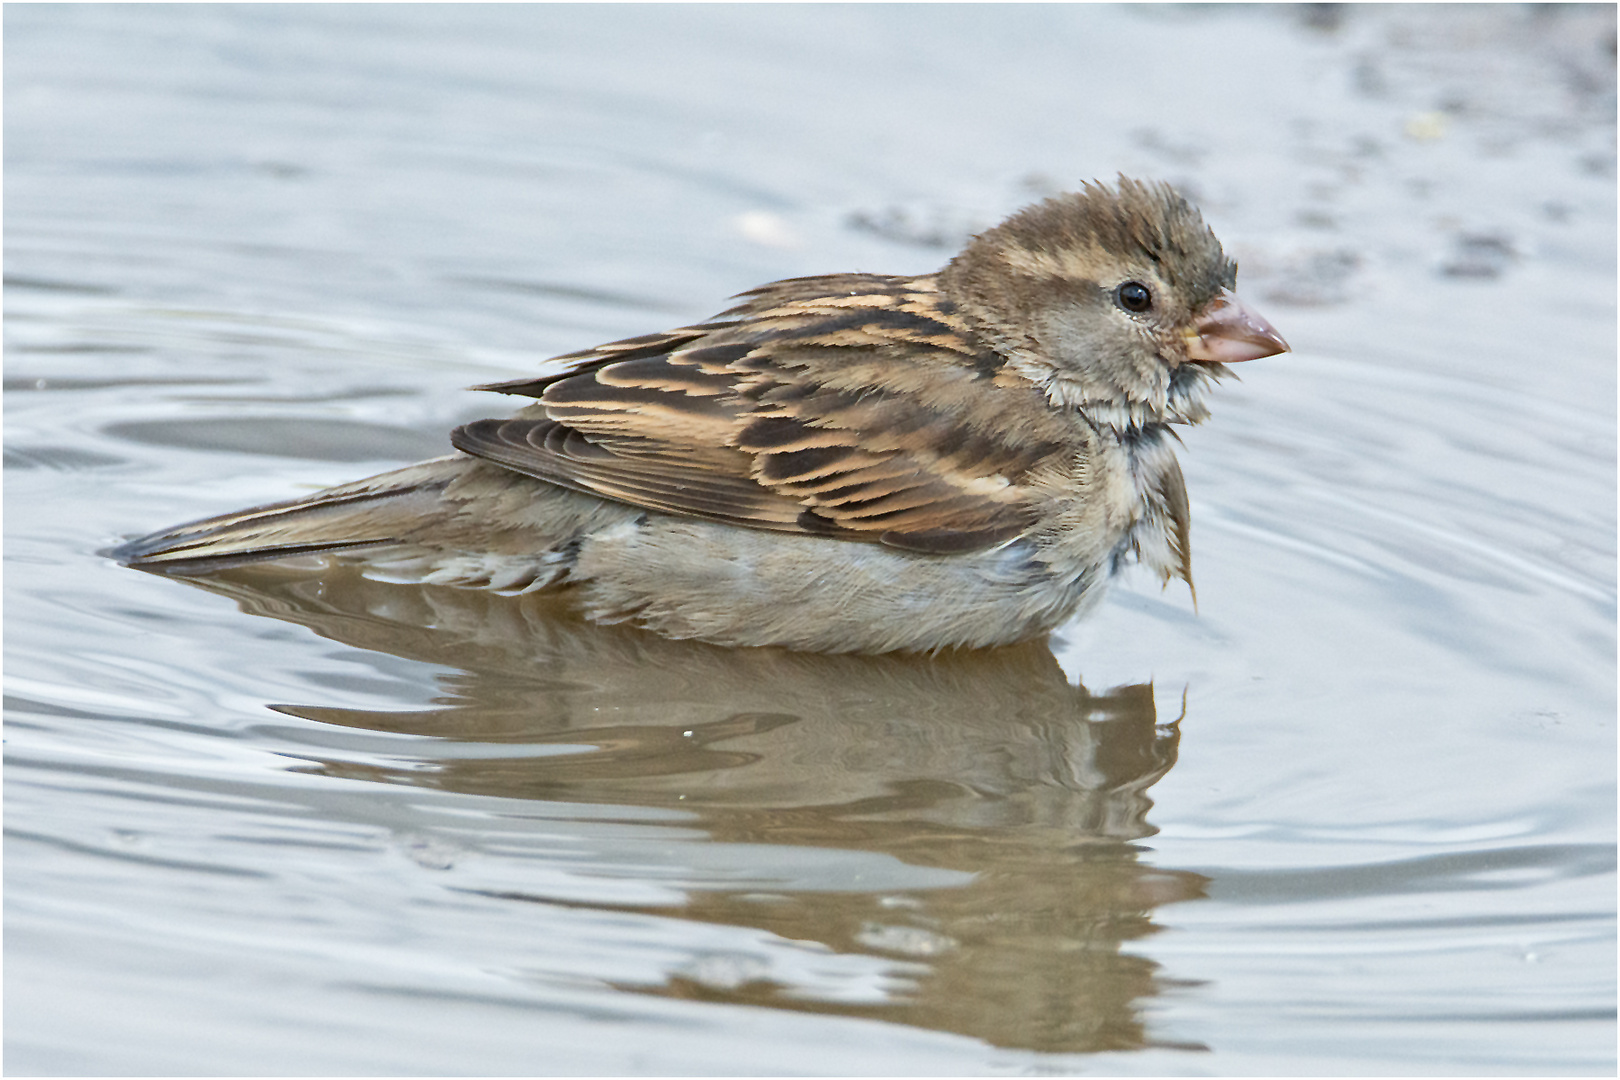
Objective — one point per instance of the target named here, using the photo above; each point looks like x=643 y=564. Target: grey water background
x=1356 y=814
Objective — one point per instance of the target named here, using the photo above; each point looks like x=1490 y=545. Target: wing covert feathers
x=854 y=406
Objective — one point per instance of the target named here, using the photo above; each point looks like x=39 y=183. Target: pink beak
x=1229 y=331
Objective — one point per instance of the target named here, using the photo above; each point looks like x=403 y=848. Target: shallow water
x=1355 y=814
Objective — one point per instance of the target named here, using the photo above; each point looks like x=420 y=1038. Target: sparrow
x=843 y=463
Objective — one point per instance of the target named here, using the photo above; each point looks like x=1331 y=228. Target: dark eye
x=1134 y=297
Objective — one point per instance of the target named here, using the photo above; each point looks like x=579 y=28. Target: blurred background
x=1354 y=814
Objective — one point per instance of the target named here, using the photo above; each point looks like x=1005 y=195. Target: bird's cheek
x=1084 y=341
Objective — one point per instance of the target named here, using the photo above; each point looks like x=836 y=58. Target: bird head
x=1117 y=301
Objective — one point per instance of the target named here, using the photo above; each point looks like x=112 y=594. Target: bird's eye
x=1134 y=297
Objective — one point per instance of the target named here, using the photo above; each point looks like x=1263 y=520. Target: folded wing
x=855 y=406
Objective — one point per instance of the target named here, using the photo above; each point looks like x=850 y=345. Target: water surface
x=1354 y=814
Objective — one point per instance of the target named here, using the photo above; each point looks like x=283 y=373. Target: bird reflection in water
x=989 y=764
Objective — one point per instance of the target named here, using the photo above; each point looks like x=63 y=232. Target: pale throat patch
x=1173 y=403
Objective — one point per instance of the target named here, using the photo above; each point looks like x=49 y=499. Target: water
x=1355 y=814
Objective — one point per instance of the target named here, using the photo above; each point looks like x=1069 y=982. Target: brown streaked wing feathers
x=832 y=406
x=641 y=474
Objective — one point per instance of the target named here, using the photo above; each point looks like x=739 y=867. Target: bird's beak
x=1228 y=330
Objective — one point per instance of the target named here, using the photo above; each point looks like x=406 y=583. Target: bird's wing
x=854 y=406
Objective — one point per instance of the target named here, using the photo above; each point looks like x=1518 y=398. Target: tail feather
x=381 y=511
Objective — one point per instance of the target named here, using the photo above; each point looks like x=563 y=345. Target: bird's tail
x=377 y=512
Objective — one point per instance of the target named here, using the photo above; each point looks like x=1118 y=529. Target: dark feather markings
x=819 y=287
x=663 y=373
x=568 y=443
x=637 y=348
x=716 y=357
x=580 y=396
x=772 y=433
x=521 y=445
x=804 y=464
x=811 y=522
x=813 y=406
x=900 y=325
